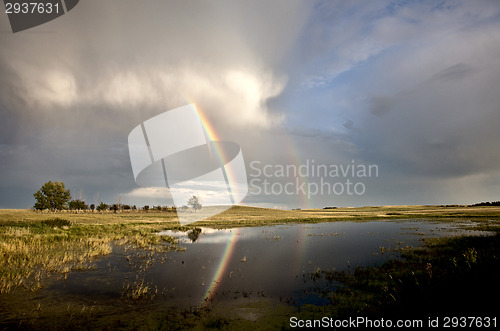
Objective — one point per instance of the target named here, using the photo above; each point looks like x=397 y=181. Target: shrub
x=56 y=222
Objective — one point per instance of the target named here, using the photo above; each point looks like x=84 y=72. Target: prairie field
x=42 y=251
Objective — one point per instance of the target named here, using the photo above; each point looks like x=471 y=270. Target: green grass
x=454 y=276
x=34 y=245
x=31 y=250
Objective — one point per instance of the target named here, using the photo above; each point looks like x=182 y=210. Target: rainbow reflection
x=221 y=270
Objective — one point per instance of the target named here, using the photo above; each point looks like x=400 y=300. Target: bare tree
x=194 y=202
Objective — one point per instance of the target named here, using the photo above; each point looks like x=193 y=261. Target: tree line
x=54 y=196
x=488 y=203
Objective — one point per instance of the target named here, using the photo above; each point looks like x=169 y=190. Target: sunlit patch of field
x=392 y=212
x=88 y=217
x=36 y=245
x=251 y=216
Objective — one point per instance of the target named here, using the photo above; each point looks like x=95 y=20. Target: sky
x=410 y=88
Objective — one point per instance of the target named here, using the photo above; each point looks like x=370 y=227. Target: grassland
x=36 y=245
x=251 y=216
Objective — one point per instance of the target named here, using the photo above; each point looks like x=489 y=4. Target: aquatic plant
x=450 y=275
x=139 y=289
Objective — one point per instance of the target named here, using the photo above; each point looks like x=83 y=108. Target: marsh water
x=279 y=262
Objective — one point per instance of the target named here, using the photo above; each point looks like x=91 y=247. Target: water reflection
x=276 y=261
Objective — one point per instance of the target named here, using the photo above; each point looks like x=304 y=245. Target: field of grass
x=36 y=245
x=248 y=216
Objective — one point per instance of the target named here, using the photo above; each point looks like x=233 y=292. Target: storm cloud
x=412 y=87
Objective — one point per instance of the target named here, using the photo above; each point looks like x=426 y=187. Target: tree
x=77 y=205
x=92 y=207
x=194 y=202
x=114 y=207
x=102 y=206
x=52 y=196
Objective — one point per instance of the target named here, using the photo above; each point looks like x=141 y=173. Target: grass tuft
x=56 y=222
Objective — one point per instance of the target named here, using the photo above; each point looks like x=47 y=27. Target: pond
x=278 y=262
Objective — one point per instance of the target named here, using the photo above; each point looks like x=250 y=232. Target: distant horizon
x=140 y=208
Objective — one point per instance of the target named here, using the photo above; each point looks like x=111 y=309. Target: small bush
x=194 y=234
x=56 y=222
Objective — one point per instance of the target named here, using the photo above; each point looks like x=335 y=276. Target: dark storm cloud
x=70 y=96
x=410 y=86
x=443 y=127
x=420 y=88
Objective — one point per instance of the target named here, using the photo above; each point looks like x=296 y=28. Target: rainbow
x=211 y=135
x=295 y=157
x=228 y=252
x=223 y=158
x=302 y=248
x=227 y=255
x=206 y=124
x=221 y=270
